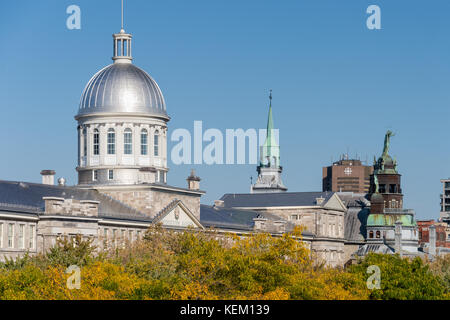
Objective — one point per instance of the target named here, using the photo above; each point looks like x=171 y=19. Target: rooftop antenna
x=122 y=15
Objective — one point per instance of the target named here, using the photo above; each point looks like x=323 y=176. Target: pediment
x=335 y=203
x=178 y=216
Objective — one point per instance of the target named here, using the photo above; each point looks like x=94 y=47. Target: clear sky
x=337 y=86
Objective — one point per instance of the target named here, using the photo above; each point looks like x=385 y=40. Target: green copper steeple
x=270 y=150
x=269 y=169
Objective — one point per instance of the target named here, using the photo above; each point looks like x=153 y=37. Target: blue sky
x=336 y=84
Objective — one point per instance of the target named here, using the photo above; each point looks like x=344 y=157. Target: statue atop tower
x=269 y=168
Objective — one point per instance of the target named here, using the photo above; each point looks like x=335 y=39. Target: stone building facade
x=320 y=213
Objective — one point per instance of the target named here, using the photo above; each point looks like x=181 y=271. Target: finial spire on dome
x=122 y=45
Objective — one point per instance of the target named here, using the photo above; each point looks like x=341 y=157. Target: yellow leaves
x=277 y=294
x=193 y=291
x=186 y=265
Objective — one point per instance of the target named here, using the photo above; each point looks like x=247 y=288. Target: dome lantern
x=122 y=47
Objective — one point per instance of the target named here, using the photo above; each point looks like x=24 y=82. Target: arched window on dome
x=84 y=142
x=156 y=144
x=371 y=234
x=128 y=141
x=378 y=234
x=96 y=143
x=111 y=141
x=144 y=142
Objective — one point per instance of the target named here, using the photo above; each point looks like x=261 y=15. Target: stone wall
x=319 y=221
x=349 y=249
x=151 y=201
x=61 y=206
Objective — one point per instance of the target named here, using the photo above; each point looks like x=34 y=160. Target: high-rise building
x=347 y=175
x=445 y=201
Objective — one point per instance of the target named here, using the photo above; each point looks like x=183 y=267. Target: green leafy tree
x=401 y=278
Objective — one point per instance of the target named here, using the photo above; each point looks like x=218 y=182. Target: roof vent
x=61 y=182
x=23 y=185
x=48 y=177
x=320 y=200
x=219 y=203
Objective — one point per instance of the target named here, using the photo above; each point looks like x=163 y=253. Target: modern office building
x=347 y=175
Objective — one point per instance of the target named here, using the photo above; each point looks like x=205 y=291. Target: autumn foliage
x=204 y=265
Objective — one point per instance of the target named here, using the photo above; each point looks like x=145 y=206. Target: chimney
x=398 y=237
x=432 y=239
x=193 y=181
x=48 y=177
x=260 y=223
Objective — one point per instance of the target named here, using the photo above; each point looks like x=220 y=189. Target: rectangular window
x=96 y=142
x=84 y=142
x=111 y=174
x=128 y=142
x=111 y=142
x=144 y=143
x=10 y=235
x=94 y=175
x=22 y=236
x=31 y=237
x=156 y=145
x=1 y=235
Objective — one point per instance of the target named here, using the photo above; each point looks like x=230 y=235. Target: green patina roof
x=270 y=138
x=390 y=219
x=270 y=149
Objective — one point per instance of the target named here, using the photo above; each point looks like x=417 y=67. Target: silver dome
x=122 y=88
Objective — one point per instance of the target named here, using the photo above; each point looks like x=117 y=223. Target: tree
x=401 y=278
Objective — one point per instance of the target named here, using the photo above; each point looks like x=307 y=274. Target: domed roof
x=122 y=88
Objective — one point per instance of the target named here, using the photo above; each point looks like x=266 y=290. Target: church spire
x=270 y=151
x=270 y=139
x=269 y=169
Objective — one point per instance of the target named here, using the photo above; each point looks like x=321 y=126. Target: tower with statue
x=389 y=227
